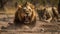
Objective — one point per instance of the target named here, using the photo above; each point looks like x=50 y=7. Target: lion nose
x=27 y=14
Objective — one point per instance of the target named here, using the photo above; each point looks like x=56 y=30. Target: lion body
x=48 y=14
x=51 y=13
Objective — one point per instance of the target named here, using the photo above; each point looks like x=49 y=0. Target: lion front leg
x=48 y=17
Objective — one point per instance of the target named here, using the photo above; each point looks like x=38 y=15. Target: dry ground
x=39 y=28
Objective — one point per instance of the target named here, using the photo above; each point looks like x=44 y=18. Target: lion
x=25 y=15
x=51 y=14
x=48 y=14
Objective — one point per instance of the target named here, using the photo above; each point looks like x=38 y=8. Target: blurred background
x=9 y=7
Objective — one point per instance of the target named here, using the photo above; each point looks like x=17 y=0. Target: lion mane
x=19 y=16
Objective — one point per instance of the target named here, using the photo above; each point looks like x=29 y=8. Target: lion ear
x=28 y=2
x=19 y=6
x=31 y=5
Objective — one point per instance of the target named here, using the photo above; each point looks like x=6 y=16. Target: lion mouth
x=27 y=19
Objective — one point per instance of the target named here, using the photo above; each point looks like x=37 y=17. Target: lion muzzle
x=27 y=19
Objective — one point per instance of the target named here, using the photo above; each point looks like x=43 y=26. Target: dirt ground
x=40 y=26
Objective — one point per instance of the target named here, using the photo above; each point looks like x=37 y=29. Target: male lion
x=25 y=15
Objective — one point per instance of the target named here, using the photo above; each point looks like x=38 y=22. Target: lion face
x=27 y=11
x=25 y=14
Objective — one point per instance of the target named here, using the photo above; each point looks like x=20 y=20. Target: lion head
x=26 y=14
